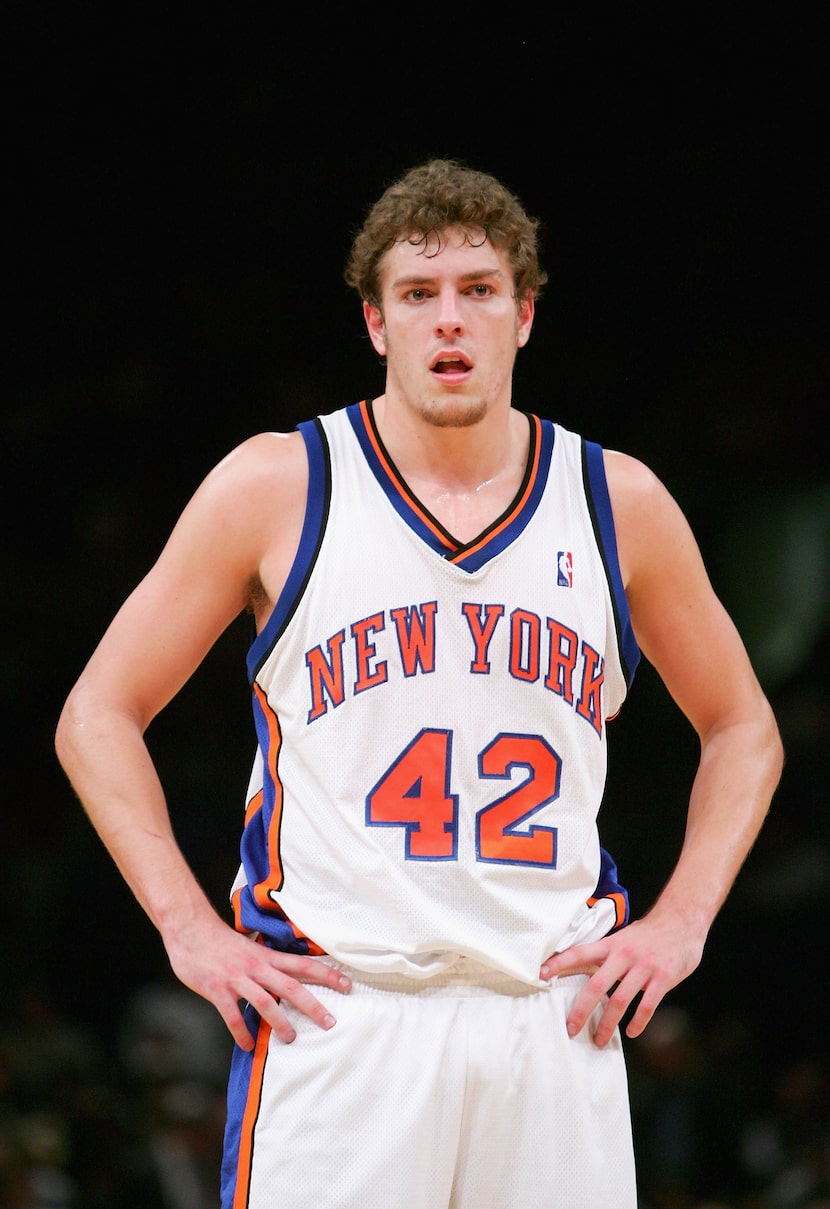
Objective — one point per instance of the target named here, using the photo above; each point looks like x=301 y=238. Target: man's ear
x=526 y=312
x=373 y=317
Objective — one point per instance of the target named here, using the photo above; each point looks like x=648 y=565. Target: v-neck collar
x=472 y=555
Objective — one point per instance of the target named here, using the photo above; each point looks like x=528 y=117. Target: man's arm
x=241 y=527
x=686 y=634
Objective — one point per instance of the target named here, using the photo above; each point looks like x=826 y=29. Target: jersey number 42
x=415 y=793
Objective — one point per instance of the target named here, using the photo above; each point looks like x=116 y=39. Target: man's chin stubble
x=449 y=413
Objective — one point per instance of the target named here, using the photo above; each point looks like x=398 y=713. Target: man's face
x=449 y=327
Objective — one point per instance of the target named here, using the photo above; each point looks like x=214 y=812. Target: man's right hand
x=231 y=970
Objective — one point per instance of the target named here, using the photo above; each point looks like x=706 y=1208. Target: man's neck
x=466 y=476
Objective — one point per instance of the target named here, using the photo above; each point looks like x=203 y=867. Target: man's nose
x=449 y=318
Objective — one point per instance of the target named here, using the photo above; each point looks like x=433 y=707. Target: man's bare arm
x=241 y=526
x=685 y=632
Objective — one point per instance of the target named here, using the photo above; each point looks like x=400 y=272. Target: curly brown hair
x=429 y=199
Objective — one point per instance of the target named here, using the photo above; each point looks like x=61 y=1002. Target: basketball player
x=451 y=597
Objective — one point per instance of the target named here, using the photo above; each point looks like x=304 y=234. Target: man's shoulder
x=274 y=461
x=263 y=452
x=628 y=477
x=266 y=471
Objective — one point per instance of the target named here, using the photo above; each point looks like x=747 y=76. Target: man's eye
x=417 y=295
x=480 y=290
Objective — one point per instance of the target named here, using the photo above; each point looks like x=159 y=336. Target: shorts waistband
x=464 y=978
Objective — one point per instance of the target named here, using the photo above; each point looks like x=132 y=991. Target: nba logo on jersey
x=565 y=573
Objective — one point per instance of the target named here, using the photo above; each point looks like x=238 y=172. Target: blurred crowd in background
x=719 y=1122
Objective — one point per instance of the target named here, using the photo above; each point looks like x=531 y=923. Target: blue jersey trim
x=314 y=524
x=609 y=886
x=543 y=436
x=600 y=506
x=441 y=542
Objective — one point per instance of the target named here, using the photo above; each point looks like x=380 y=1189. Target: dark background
x=182 y=198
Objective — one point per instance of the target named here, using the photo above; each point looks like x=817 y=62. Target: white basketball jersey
x=431 y=718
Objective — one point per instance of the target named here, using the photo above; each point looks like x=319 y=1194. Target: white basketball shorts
x=463 y=1091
